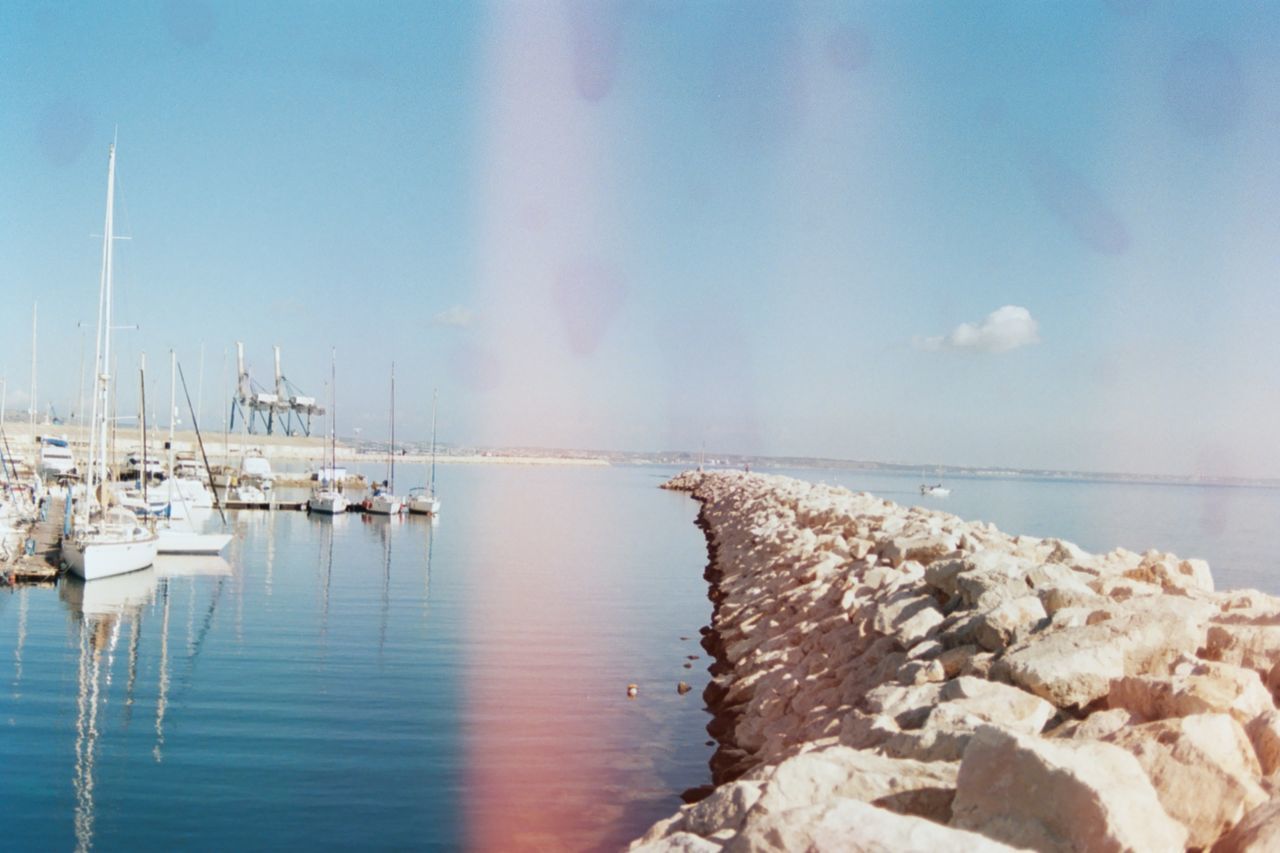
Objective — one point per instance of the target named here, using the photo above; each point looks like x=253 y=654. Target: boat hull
x=327 y=504
x=92 y=557
x=383 y=505
x=187 y=542
x=423 y=506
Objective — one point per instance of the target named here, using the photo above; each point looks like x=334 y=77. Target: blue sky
x=646 y=225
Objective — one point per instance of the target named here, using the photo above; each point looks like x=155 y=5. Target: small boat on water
x=423 y=501
x=328 y=498
x=384 y=501
x=934 y=490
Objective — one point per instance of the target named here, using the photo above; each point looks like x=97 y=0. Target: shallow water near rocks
x=395 y=683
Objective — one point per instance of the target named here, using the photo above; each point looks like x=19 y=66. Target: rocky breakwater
x=894 y=678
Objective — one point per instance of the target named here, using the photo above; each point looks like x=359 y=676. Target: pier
x=42 y=566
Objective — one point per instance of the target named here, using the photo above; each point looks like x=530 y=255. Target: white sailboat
x=328 y=497
x=935 y=490
x=183 y=488
x=177 y=534
x=99 y=540
x=423 y=501
x=383 y=501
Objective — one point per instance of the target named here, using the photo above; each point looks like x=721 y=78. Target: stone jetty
x=896 y=678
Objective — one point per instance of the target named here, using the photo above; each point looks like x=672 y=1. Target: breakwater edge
x=890 y=677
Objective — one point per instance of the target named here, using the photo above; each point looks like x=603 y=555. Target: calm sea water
x=399 y=684
x=1228 y=526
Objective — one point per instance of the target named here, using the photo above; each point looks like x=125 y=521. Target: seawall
x=891 y=677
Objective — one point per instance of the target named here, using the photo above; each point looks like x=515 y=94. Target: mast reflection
x=99 y=609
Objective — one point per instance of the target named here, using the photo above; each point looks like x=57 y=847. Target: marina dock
x=42 y=566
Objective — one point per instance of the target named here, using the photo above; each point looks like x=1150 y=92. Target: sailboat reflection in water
x=103 y=609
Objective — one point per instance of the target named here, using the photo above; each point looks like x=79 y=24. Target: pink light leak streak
x=548 y=287
x=550 y=296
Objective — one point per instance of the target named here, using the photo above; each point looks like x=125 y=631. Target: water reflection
x=101 y=610
x=22 y=639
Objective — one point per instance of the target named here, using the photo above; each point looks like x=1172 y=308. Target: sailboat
x=183 y=488
x=936 y=490
x=328 y=497
x=383 y=501
x=100 y=540
x=182 y=538
x=424 y=501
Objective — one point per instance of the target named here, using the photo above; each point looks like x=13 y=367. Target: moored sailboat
x=384 y=501
x=100 y=540
x=423 y=501
x=328 y=497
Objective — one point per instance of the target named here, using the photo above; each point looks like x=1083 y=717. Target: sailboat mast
x=391 y=457
x=333 y=417
x=34 y=397
x=173 y=404
x=435 y=394
x=97 y=424
x=142 y=428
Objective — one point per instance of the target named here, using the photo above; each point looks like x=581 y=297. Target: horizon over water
x=398 y=683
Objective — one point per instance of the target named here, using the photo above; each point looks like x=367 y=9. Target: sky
x=991 y=234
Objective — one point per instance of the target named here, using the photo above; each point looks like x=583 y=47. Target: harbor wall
x=294 y=452
x=891 y=677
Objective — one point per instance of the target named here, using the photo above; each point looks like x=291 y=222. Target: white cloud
x=458 y=317
x=1004 y=329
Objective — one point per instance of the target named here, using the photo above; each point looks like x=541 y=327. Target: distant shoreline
x=314 y=448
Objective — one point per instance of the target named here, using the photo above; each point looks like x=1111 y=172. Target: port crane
x=284 y=406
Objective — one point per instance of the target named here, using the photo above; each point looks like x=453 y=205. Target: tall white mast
x=435 y=393
x=173 y=404
x=102 y=344
x=333 y=418
x=34 y=397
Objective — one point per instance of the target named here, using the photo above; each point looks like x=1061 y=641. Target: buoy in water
x=683 y=688
x=632 y=690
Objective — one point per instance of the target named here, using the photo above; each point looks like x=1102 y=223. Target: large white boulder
x=909 y=787
x=854 y=827
x=1059 y=795
x=1203 y=769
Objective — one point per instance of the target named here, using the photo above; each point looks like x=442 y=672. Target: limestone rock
x=1256 y=647
x=1172 y=574
x=1096 y=726
x=923 y=549
x=679 y=842
x=1259 y=832
x=1203 y=769
x=1057 y=795
x=661 y=829
x=855 y=827
x=909 y=787
x=724 y=808
x=1074 y=666
x=1207 y=688
x=1264 y=734
x=997 y=627
x=996 y=703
